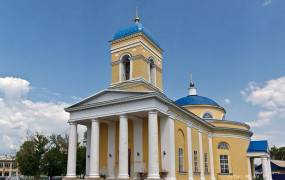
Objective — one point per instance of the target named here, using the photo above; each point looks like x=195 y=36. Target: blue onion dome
x=196 y=100
x=137 y=27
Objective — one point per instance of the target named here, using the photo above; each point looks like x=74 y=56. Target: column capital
x=72 y=123
x=123 y=116
x=210 y=135
x=94 y=120
x=153 y=112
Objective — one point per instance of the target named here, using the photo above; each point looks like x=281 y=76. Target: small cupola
x=192 y=88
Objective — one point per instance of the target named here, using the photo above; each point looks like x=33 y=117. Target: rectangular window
x=180 y=159
x=224 y=164
x=1 y=165
x=196 y=161
x=7 y=165
x=14 y=165
x=206 y=163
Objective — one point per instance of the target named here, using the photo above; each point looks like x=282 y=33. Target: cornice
x=229 y=122
x=136 y=35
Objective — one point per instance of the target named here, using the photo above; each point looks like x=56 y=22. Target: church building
x=134 y=131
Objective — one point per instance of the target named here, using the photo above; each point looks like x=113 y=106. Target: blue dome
x=196 y=100
x=133 y=29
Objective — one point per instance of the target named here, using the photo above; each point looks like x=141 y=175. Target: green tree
x=277 y=153
x=41 y=155
x=29 y=156
x=81 y=160
x=55 y=159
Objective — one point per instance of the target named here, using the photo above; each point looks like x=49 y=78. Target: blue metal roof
x=258 y=146
x=196 y=100
x=133 y=29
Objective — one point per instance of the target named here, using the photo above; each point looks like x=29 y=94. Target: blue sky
x=61 y=49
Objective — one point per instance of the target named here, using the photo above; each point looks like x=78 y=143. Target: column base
x=123 y=176
x=173 y=178
x=93 y=177
x=155 y=177
x=70 y=178
x=111 y=177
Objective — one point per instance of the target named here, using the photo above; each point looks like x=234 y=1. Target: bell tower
x=136 y=58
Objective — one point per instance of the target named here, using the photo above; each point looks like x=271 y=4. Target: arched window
x=223 y=145
x=126 y=67
x=151 y=71
x=181 y=150
x=207 y=115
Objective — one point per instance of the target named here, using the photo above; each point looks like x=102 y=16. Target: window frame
x=196 y=165
x=208 y=113
x=223 y=145
x=152 y=71
x=7 y=165
x=224 y=164
x=124 y=61
x=180 y=160
x=206 y=163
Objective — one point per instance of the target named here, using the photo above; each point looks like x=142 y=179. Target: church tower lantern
x=136 y=56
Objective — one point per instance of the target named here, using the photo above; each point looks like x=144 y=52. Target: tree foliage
x=42 y=155
x=55 y=158
x=277 y=153
x=29 y=156
x=81 y=157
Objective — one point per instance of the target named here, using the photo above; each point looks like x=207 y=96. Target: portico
x=259 y=149
x=132 y=156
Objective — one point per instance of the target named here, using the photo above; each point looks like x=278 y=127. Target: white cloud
x=270 y=98
x=19 y=114
x=266 y=3
x=14 y=88
x=227 y=101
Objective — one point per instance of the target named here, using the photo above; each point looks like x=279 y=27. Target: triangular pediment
x=107 y=95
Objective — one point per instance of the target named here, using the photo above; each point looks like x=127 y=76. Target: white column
x=123 y=148
x=111 y=150
x=264 y=168
x=190 y=158
x=72 y=149
x=172 y=173
x=167 y=147
x=153 y=164
x=202 y=175
x=252 y=167
x=211 y=157
x=269 y=169
x=88 y=143
x=249 y=168
x=94 y=150
x=138 y=146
